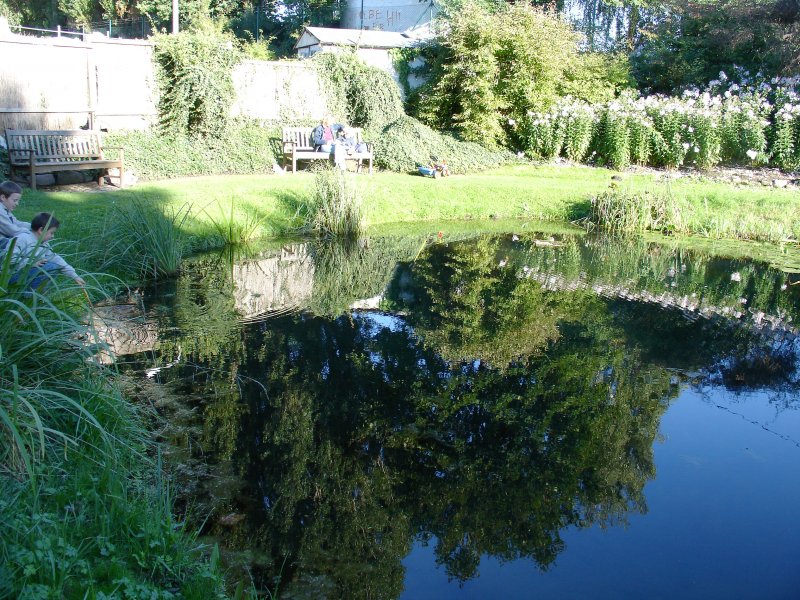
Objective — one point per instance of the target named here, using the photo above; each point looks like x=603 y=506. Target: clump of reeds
x=81 y=506
x=618 y=211
x=235 y=227
x=146 y=240
x=336 y=206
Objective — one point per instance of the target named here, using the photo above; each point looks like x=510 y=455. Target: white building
x=389 y=15
x=373 y=47
x=368 y=44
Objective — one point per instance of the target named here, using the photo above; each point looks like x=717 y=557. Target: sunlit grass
x=550 y=193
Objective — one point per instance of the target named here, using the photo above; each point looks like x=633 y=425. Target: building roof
x=364 y=38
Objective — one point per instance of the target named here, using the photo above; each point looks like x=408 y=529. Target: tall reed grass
x=235 y=227
x=618 y=211
x=142 y=239
x=83 y=511
x=335 y=209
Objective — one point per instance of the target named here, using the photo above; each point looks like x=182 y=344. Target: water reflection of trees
x=355 y=447
x=486 y=421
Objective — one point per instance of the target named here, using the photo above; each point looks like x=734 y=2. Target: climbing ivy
x=357 y=93
x=194 y=76
x=368 y=97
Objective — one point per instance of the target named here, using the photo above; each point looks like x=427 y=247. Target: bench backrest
x=52 y=146
x=301 y=136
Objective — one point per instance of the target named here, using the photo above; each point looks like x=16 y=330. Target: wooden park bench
x=37 y=151
x=297 y=145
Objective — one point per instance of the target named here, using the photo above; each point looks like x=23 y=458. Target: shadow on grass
x=579 y=210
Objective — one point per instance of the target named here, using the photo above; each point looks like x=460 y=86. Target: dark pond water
x=501 y=416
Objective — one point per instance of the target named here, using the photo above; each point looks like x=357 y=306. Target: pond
x=515 y=415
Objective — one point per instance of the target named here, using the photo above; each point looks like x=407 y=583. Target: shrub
x=597 y=77
x=405 y=143
x=194 y=76
x=496 y=66
x=244 y=147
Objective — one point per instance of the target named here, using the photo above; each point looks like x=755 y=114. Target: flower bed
x=749 y=121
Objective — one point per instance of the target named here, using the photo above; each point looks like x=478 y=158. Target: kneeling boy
x=32 y=252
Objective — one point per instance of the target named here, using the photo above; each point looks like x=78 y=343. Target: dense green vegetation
x=492 y=67
x=85 y=508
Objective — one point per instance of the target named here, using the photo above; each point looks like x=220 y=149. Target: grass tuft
x=336 y=206
x=618 y=211
x=144 y=240
x=235 y=227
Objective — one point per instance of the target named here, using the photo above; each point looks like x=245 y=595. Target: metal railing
x=58 y=32
x=139 y=28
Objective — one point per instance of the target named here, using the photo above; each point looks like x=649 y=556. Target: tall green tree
x=696 y=40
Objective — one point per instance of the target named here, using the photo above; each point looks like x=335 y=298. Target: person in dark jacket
x=325 y=138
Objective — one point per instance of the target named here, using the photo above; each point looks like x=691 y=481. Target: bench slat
x=57 y=150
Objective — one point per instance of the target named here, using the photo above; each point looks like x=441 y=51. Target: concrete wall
x=66 y=79
x=283 y=90
x=60 y=81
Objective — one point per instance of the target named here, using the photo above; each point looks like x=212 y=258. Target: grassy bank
x=85 y=511
x=554 y=193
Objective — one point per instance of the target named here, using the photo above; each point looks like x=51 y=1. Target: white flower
x=722 y=76
x=691 y=129
x=696 y=149
x=685 y=146
x=752 y=154
x=520 y=154
x=512 y=122
x=727 y=94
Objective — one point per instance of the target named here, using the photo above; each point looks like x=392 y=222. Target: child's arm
x=63 y=265
x=10 y=226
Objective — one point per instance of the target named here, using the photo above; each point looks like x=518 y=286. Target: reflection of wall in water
x=122 y=329
x=279 y=282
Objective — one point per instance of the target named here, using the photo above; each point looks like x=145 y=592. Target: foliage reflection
x=483 y=411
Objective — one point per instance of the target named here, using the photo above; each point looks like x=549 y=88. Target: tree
x=492 y=66
x=696 y=40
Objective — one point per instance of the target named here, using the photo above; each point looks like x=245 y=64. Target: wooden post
x=175 y=19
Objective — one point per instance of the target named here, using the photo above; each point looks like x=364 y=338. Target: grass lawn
x=551 y=193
